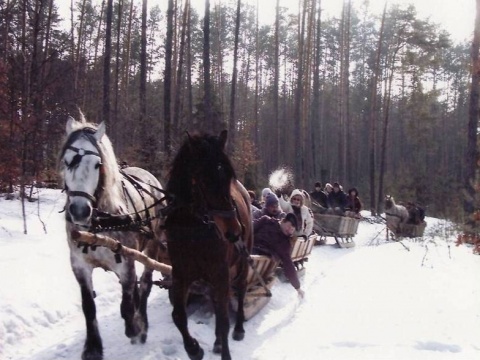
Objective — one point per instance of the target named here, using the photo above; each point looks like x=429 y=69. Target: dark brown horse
x=209 y=235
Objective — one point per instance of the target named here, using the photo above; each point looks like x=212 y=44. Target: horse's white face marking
x=82 y=176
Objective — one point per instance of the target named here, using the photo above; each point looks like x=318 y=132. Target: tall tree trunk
x=167 y=93
x=276 y=94
x=117 y=75
x=346 y=95
x=79 y=45
x=256 y=139
x=373 y=115
x=128 y=46
x=315 y=109
x=472 y=158
x=231 y=121
x=298 y=145
x=383 y=145
x=146 y=155
x=179 y=89
x=209 y=122
x=106 y=63
x=189 y=70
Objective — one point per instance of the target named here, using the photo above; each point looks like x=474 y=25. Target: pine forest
x=384 y=102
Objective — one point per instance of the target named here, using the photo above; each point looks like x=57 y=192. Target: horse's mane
x=199 y=152
x=111 y=194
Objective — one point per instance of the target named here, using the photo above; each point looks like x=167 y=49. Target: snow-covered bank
x=375 y=301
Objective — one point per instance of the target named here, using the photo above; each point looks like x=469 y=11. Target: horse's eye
x=97 y=165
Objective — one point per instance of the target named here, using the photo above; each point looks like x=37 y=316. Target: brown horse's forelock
x=198 y=158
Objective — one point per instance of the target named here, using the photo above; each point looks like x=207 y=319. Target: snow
x=378 y=300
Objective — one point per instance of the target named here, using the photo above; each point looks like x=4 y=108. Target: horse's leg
x=134 y=325
x=239 y=331
x=93 y=349
x=178 y=295
x=145 y=288
x=222 y=322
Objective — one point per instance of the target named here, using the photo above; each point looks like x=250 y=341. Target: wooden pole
x=117 y=247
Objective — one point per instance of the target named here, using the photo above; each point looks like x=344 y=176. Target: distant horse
x=119 y=203
x=395 y=214
x=209 y=235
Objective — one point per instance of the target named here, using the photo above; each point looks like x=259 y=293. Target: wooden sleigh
x=267 y=270
x=397 y=229
x=301 y=250
x=341 y=228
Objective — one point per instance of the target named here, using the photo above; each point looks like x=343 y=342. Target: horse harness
x=104 y=221
x=206 y=218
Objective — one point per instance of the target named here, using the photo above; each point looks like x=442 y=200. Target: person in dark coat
x=253 y=200
x=319 y=199
x=337 y=200
x=272 y=238
x=354 y=205
x=270 y=208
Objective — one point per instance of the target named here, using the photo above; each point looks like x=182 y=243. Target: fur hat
x=266 y=191
x=292 y=218
x=271 y=199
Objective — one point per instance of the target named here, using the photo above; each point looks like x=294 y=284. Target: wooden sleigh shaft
x=114 y=245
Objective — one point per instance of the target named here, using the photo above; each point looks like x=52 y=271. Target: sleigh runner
x=341 y=228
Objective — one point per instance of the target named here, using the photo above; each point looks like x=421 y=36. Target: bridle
x=80 y=153
x=206 y=212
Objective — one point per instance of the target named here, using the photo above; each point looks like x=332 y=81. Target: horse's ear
x=100 y=131
x=223 y=138
x=70 y=125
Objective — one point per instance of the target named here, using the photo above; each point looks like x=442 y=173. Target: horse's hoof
x=93 y=355
x=143 y=338
x=194 y=351
x=238 y=335
x=217 y=348
x=197 y=356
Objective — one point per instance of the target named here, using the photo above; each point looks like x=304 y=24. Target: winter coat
x=337 y=200
x=305 y=226
x=258 y=213
x=269 y=239
x=320 y=197
x=353 y=204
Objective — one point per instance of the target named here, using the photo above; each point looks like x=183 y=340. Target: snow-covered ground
x=375 y=301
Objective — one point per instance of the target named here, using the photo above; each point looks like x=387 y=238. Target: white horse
x=395 y=214
x=123 y=204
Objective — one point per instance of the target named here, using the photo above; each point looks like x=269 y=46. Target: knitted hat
x=271 y=199
x=266 y=191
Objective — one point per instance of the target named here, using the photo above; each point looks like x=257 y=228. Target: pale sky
x=455 y=16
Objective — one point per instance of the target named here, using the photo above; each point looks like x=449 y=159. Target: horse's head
x=202 y=173
x=389 y=201
x=81 y=166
